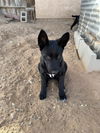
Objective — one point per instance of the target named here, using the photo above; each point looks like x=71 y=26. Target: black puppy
x=52 y=65
x=76 y=21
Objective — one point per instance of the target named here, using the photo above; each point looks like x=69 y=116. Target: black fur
x=52 y=65
x=76 y=21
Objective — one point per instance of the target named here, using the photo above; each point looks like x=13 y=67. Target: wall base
x=88 y=57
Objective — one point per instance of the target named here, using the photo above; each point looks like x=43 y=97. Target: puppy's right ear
x=42 y=39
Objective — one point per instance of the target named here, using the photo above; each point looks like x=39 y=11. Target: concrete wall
x=90 y=18
x=57 y=8
x=89 y=30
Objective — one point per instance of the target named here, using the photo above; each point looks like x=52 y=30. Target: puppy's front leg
x=44 y=83
x=61 y=87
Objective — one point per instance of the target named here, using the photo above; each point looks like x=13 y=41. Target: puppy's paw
x=42 y=96
x=63 y=97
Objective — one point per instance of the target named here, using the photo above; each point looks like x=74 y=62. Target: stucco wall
x=57 y=8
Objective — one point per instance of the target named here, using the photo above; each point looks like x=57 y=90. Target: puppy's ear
x=42 y=39
x=63 y=40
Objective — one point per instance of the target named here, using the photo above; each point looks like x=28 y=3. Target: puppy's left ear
x=42 y=39
x=63 y=40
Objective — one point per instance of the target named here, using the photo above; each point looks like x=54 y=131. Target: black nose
x=54 y=72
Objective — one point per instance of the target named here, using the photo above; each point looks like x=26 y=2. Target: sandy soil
x=21 y=111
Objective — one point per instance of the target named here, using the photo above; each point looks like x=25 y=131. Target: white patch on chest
x=51 y=75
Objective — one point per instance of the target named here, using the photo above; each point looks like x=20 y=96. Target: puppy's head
x=51 y=51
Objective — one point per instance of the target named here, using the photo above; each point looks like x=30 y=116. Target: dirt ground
x=21 y=111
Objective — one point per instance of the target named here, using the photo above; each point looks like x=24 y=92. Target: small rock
x=34 y=117
x=30 y=95
x=17 y=109
x=21 y=123
x=30 y=81
x=82 y=105
x=18 y=44
x=12 y=115
x=54 y=107
x=10 y=42
x=21 y=110
x=30 y=123
x=13 y=104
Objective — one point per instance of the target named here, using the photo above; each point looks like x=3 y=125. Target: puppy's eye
x=48 y=57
